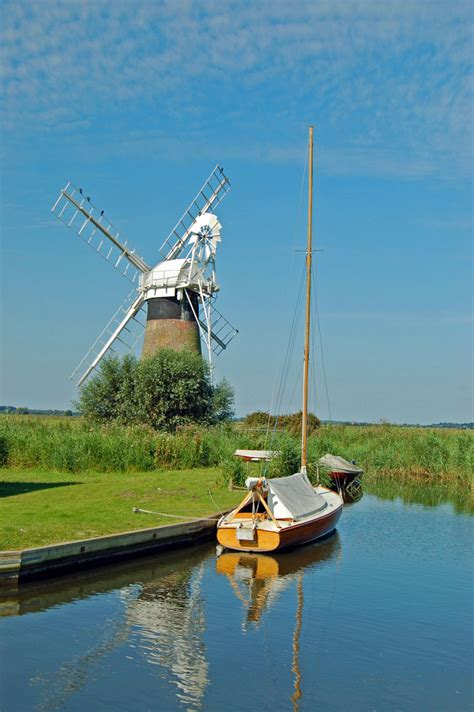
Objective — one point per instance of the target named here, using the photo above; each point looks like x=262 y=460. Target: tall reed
x=72 y=445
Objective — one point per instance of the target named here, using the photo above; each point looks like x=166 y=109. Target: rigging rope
x=276 y=402
x=288 y=356
x=323 y=364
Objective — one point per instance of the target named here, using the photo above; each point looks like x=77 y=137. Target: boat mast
x=304 y=420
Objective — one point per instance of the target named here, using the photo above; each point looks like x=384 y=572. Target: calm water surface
x=378 y=617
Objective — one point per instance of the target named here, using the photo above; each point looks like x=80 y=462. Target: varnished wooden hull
x=286 y=537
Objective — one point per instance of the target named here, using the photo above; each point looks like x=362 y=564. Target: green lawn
x=38 y=507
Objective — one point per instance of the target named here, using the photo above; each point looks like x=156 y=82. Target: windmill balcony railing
x=165 y=279
x=178 y=279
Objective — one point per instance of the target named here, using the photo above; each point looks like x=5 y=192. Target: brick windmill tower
x=179 y=292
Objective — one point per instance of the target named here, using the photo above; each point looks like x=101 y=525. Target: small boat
x=284 y=512
x=341 y=471
x=255 y=455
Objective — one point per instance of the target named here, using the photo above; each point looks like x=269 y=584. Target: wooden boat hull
x=286 y=537
x=344 y=478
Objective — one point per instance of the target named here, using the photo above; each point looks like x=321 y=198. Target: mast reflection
x=258 y=579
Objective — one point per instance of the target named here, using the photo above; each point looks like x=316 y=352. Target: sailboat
x=284 y=512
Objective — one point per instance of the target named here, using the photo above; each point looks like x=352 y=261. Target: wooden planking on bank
x=16 y=566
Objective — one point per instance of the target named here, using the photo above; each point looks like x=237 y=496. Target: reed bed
x=384 y=451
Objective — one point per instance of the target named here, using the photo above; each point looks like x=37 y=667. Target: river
x=376 y=618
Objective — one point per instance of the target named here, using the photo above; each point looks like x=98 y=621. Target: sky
x=137 y=101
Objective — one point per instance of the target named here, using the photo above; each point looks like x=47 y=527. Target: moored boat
x=282 y=512
x=341 y=471
x=279 y=513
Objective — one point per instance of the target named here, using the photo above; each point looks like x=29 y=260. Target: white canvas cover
x=339 y=464
x=293 y=497
x=256 y=455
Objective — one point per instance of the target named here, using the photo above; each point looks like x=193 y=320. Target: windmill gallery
x=179 y=291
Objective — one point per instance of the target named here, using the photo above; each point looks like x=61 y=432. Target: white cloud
x=392 y=78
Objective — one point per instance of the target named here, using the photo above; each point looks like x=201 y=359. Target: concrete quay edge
x=23 y=564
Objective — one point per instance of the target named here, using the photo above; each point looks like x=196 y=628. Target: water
x=377 y=617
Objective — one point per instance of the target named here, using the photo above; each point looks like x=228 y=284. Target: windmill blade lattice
x=209 y=196
x=214 y=324
x=124 y=330
x=79 y=214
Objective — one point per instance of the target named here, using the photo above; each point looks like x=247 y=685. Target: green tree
x=164 y=391
x=222 y=402
x=99 y=397
x=289 y=422
x=259 y=419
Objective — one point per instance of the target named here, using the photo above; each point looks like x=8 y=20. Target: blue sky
x=138 y=101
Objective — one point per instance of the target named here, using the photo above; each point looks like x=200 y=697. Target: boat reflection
x=258 y=579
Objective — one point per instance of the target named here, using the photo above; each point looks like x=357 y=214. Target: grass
x=72 y=445
x=63 y=478
x=39 y=508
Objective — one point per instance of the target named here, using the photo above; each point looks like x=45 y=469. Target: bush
x=288 y=460
x=291 y=423
x=165 y=391
x=234 y=471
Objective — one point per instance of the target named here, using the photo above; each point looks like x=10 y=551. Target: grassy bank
x=39 y=508
x=61 y=478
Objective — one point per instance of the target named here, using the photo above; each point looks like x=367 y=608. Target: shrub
x=291 y=423
x=164 y=391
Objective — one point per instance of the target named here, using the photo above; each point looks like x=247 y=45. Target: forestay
x=293 y=497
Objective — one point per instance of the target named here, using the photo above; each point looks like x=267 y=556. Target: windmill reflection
x=168 y=619
x=161 y=619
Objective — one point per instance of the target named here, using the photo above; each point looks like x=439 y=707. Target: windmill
x=179 y=292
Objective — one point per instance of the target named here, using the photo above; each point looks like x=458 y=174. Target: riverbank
x=63 y=479
x=40 y=508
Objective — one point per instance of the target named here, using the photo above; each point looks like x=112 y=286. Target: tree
x=259 y=419
x=291 y=422
x=99 y=397
x=222 y=402
x=165 y=391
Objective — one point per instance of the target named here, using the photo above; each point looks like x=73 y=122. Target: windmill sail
x=125 y=327
x=214 y=329
x=222 y=331
x=80 y=215
x=210 y=195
